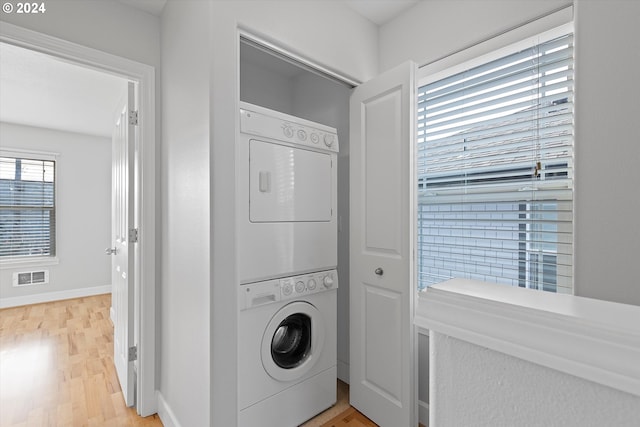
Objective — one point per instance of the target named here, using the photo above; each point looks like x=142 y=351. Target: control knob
x=328 y=140
x=300 y=286
x=287 y=131
x=327 y=281
x=311 y=284
x=287 y=289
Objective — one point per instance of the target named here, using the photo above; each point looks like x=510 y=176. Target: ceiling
x=380 y=11
x=153 y=7
x=43 y=91
x=40 y=90
x=377 y=11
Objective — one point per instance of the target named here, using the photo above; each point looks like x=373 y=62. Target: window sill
x=591 y=339
x=7 y=264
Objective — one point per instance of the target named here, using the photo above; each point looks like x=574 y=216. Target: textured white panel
x=474 y=385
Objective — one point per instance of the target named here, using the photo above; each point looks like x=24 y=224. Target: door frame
x=144 y=77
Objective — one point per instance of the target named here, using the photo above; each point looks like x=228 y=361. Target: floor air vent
x=26 y=278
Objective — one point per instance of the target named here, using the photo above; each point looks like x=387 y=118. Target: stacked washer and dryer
x=287 y=243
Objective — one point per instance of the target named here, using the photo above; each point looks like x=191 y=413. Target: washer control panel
x=287 y=288
x=271 y=124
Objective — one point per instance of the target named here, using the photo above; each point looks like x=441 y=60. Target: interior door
x=123 y=235
x=382 y=365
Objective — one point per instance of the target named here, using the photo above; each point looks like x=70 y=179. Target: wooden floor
x=341 y=414
x=56 y=369
x=333 y=416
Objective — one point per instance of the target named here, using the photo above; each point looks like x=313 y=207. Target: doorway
x=143 y=76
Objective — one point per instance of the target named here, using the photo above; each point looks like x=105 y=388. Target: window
x=494 y=160
x=27 y=206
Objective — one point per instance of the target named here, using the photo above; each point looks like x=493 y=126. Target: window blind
x=495 y=159
x=27 y=207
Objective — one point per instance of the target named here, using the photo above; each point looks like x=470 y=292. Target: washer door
x=292 y=341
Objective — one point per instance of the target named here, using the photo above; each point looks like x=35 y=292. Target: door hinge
x=133 y=353
x=133 y=235
x=133 y=117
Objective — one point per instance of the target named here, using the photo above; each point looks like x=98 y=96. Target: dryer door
x=288 y=184
x=292 y=341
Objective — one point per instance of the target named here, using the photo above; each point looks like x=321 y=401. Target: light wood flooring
x=56 y=369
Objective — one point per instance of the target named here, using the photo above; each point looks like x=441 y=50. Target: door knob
x=110 y=251
x=379 y=271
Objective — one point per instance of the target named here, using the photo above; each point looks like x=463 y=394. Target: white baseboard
x=165 y=413
x=54 y=296
x=343 y=371
x=423 y=413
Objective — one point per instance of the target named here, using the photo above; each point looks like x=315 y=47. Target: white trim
x=165 y=413
x=428 y=74
x=288 y=54
x=54 y=296
x=28 y=262
x=144 y=75
x=592 y=339
x=20 y=152
x=535 y=32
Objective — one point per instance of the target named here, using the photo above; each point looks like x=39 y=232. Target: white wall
x=607 y=153
x=477 y=386
x=184 y=384
x=327 y=32
x=433 y=29
x=267 y=88
x=104 y=25
x=83 y=214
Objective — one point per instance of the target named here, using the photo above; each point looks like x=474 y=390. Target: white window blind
x=27 y=207
x=495 y=158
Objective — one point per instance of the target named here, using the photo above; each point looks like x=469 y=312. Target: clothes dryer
x=287 y=195
x=287 y=349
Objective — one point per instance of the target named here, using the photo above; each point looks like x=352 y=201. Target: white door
x=382 y=366
x=122 y=264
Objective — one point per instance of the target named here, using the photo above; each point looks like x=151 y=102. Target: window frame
x=489 y=51
x=26 y=261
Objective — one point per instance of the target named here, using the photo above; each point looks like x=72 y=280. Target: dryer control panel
x=287 y=288
x=259 y=121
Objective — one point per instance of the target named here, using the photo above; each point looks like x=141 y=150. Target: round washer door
x=292 y=341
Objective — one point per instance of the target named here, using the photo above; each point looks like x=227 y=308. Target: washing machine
x=287 y=349
x=287 y=195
